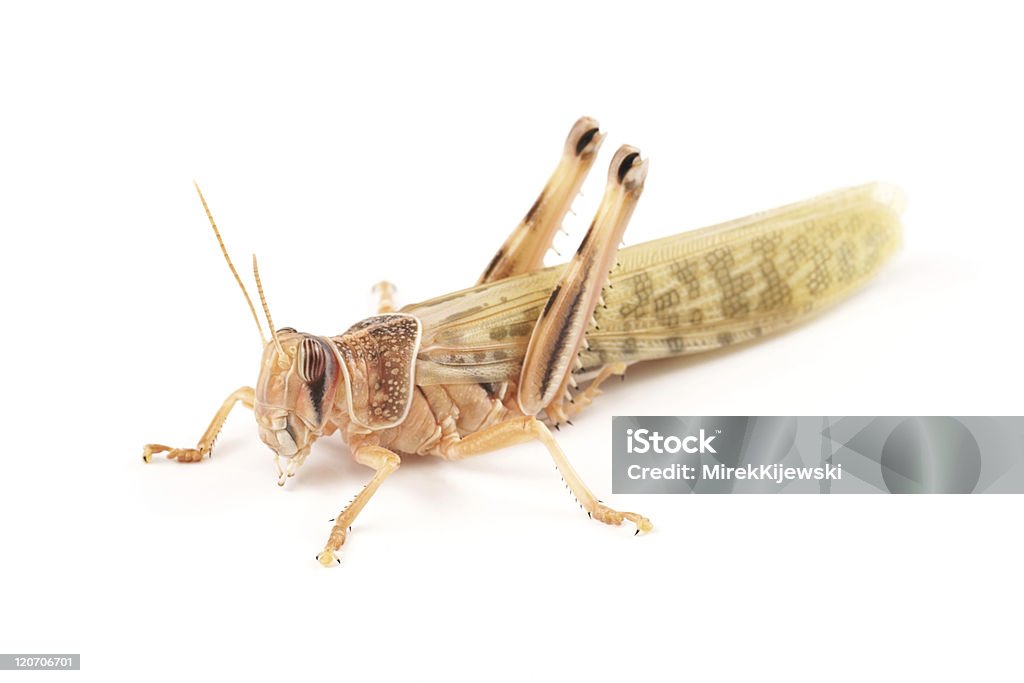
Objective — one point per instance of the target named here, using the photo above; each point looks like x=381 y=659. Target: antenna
x=266 y=309
x=234 y=272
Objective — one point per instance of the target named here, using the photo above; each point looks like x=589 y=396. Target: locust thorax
x=378 y=364
x=299 y=375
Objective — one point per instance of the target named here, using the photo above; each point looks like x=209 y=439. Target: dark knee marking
x=627 y=164
x=585 y=140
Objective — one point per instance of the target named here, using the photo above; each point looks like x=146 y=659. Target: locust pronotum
x=493 y=365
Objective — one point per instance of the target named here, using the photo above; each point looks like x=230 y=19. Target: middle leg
x=385 y=292
x=593 y=390
x=527 y=428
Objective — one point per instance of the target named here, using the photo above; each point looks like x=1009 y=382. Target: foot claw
x=642 y=523
x=606 y=515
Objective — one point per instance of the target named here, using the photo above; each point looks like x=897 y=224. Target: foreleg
x=244 y=395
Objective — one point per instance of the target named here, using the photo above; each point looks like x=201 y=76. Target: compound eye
x=312 y=360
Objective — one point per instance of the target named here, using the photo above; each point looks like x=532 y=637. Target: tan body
x=487 y=367
x=441 y=415
x=436 y=415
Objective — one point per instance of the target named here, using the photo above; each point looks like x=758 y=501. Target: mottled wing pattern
x=686 y=293
x=746 y=278
x=480 y=334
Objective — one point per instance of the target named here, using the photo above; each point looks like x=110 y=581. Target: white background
x=346 y=145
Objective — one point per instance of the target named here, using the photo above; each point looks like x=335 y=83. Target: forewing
x=743 y=279
x=480 y=334
x=685 y=293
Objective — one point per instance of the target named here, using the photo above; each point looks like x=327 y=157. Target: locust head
x=294 y=394
x=298 y=379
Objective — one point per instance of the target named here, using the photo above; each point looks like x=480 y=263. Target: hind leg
x=525 y=248
x=558 y=334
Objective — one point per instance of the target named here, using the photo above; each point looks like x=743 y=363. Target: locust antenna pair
x=255 y=272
